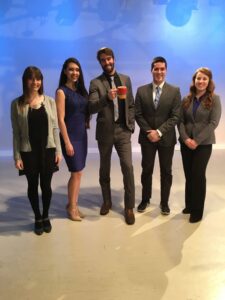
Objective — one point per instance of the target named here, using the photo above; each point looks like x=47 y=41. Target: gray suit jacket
x=201 y=127
x=99 y=103
x=164 y=117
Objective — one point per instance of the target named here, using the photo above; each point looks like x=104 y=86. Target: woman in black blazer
x=200 y=115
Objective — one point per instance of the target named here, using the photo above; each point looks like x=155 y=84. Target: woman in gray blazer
x=200 y=115
x=36 y=144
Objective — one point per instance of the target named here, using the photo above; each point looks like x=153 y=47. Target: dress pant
x=165 y=154
x=122 y=143
x=194 y=164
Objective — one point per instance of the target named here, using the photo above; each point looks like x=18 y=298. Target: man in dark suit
x=157 y=110
x=115 y=124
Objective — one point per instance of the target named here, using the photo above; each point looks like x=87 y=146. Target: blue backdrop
x=189 y=33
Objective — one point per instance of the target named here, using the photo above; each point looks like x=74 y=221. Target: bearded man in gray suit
x=115 y=124
x=157 y=111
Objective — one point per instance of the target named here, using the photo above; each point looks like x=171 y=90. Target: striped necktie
x=157 y=96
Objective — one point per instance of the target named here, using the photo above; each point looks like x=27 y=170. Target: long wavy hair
x=207 y=99
x=80 y=86
x=30 y=72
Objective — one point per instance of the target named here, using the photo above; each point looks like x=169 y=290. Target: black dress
x=40 y=159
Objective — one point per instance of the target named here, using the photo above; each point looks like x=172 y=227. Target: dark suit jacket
x=164 y=118
x=101 y=104
x=201 y=127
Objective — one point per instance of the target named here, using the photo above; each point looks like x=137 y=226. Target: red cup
x=122 y=92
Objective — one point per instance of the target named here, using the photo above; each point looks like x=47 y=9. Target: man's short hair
x=158 y=59
x=104 y=50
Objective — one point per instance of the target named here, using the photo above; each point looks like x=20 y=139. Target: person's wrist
x=159 y=133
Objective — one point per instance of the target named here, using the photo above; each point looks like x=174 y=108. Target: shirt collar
x=160 y=86
x=109 y=76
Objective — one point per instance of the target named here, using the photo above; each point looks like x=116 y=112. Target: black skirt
x=39 y=161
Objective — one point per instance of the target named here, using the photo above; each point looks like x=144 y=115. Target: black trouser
x=32 y=192
x=165 y=154
x=194 y=164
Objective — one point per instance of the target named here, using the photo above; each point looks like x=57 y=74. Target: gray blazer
x=201 y=127
x=164 y=117
x=20 y=127
x=99 y=103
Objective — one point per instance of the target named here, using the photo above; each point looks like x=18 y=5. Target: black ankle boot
x=47 y=225
x=38 y=227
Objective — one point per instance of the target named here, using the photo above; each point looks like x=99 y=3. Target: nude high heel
x=79 y=212
x=73 y=213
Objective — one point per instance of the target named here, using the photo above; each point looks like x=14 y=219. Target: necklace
x=35 y=102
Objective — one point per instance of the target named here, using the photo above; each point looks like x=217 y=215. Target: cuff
x=159 y=133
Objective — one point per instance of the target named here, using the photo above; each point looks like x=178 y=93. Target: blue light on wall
x=189 y=33
x=179 y=13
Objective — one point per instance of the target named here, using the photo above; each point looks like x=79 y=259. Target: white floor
x=102 y=258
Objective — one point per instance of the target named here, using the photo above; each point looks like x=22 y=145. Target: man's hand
x=112 y=94
x=153 y=136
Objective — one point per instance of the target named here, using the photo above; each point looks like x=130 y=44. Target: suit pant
x=122 y=143
x=165 y=154
x=194 y=164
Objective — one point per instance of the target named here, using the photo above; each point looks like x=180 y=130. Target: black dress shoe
x=165 y=210
x=47 y=225
x=38 y=227
x=105 y=208
x=129 y=216
x=194 y=218
x=142 y=206
x=186 y=211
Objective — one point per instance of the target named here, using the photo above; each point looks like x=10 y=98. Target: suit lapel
x=105 y=82
x=107 y=87
x=123 y=82
x=150 y=94
x=200 y=110
x=190 y=108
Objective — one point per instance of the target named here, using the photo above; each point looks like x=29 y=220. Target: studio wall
x=188 y=33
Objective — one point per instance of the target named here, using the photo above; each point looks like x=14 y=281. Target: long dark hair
x=80 y=86
x=207 y=99
x=29 y=73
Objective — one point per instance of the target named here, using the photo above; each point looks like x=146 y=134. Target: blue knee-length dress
x=76 y=112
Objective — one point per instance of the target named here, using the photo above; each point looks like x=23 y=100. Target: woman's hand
x=194 y=145
x=69 y=149
x=87 y=124
x=58 y=159
x=190 y=143
x=19 y=164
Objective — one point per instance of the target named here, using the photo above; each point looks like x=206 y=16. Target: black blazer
x=99 y=103
x=164 y=117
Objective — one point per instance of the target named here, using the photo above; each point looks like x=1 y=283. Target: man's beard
x=108 y=69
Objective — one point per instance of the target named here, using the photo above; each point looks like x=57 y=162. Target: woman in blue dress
x=71 y=102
